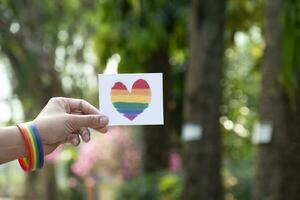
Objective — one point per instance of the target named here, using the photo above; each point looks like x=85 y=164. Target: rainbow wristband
x=33 y=143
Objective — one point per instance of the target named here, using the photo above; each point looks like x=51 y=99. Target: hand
x=63 y=119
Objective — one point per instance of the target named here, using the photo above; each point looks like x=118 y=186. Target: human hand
x=62 y=120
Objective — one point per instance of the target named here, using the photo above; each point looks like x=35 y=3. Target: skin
x=62 y=120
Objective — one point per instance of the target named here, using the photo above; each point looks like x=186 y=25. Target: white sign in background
x=191 y=132
x=262 y=133
x=152 y=115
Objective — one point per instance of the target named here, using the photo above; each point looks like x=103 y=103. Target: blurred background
x=231 y=91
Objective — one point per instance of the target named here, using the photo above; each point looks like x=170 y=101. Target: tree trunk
x=278 y=175
x=157 y=138
x=268 y=170
x=202 y=157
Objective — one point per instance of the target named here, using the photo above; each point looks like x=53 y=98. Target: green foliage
x=238 y=178
x=158 y=186
x=241 y=91
x=170 y=187
x=240 y=111
x=291 y=54
x=242 y=15
x=135 y=29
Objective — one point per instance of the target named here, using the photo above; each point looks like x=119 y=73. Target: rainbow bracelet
x=33 y=143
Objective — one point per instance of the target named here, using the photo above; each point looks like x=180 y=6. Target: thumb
x=91 y=121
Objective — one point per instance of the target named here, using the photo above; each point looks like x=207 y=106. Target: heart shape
x=133 y=103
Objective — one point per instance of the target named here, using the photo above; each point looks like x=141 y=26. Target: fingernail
x=86 y=138
x=103 y=120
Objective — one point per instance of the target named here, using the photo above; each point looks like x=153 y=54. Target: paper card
x=262 y=133
x=191 y=132
x=132 y=99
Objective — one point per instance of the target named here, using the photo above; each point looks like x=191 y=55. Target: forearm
x=11 y=144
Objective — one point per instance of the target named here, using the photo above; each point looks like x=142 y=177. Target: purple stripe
x=130 y=116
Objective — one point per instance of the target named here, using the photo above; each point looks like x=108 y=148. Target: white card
x=132 y=99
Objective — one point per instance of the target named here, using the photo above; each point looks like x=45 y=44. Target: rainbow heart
x=133 y=103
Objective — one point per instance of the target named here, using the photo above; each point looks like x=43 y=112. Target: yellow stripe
x=131 y=98
x=134 y=91
x=33 y=147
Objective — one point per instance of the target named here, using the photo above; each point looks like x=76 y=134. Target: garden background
x=231 y=68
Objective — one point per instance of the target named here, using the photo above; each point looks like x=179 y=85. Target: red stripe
x=23 y=164
x=119 y=86
x=29 y=147
x=31 y=158
x=140 y=84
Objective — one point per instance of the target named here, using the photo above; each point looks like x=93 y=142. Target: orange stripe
x=31 y=141
x=30 y=148
x=131 y=98
x=135 y=91
x=34 y=145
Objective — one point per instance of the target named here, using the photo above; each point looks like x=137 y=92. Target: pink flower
x=131 y=164
x=86 y=160
x=100 y=149
x=175 y=162
x=54 y=156
x=110 y=153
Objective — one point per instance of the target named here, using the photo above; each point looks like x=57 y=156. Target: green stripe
x=36 y=147
x=125 y=105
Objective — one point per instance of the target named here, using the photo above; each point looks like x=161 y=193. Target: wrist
x=11 y=144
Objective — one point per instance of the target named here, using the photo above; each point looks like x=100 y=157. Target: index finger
x=82 y=106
